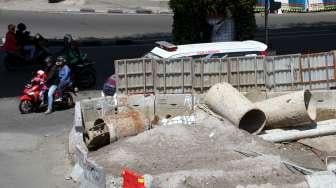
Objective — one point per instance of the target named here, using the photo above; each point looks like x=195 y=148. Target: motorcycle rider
x=40 y=79
x=71 y=51
x=109 y=87
x=10 y=45
x=24 y=41
x=63 y=74
x=52 y=82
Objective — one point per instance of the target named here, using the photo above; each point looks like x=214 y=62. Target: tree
x=191 y=18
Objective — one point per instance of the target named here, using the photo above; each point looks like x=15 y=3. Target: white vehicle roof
x=210 y=48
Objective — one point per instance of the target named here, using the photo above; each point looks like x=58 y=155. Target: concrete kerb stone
x=76 y=133
x=86 y=171
x=143 y=11
x=118 y=11
x=87 y=10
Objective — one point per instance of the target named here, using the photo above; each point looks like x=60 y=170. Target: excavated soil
x=209 y=153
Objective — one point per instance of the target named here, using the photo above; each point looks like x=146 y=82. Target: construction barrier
x=300 y=5
x=181 y=76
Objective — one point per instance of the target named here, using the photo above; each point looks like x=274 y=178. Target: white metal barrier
x=277 y=73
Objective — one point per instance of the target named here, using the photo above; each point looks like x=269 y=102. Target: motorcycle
x=83 y=74
x=30 y=100
x=16 y=61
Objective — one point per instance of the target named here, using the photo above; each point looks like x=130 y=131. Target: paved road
x=290 y=33
x=33 y=148
x=87 y=25
x=121 y=25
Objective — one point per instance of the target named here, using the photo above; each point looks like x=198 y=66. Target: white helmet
x=40 y=72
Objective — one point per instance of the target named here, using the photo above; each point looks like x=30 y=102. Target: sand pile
x=209 y=151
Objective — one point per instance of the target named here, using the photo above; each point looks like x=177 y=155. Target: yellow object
x=141 y=180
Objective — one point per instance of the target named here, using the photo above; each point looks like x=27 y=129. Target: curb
x=85 y=171
x=99 y=11
x=119 y=11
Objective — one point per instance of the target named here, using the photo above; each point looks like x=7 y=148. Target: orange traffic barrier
x=132 y=179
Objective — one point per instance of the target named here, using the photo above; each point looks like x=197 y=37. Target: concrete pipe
x=293 y=109
x=126 y=122
x=123 y=123
x=322 y=128
x=227 y=102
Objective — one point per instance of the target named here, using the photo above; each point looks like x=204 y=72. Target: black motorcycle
x=19 y=61
x=83 y=74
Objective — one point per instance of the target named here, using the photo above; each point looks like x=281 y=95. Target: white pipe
x=227 y=102
x=279 y=135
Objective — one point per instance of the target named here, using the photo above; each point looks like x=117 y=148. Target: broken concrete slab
x=323 y=143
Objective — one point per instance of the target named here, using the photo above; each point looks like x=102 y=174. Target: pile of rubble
x=208 y=141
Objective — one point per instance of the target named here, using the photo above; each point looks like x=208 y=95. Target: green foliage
x=190 y=18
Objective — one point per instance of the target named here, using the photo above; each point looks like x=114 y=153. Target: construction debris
x=191 y=141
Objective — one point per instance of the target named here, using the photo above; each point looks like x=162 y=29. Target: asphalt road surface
x=289 y=33
x=120 y=25
x=55 y=25
x=33 y=150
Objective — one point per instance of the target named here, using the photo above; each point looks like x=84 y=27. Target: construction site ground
x=212 y=153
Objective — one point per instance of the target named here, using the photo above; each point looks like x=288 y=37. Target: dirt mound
x=203 y=152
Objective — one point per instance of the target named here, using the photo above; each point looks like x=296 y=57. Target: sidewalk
x=98 y=6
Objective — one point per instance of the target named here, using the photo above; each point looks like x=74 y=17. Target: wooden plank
x=126 y=77
x=300 y=69
x=327 y=69
x=309 y=73
x=165 y=79
x=238 y=74
x=273 y=72
x=182 y=76
x=202 y=75
x=334 y=61
x=255 y=72
x=144 y=75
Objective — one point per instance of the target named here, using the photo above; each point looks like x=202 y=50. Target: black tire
x=86 y=79
x=7 y=63
x=26 y=106
x=69 y=101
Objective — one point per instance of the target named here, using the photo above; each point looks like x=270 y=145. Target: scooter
x=30 y=100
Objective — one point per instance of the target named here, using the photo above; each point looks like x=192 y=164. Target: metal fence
x=277 y=73
x=300 y=5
